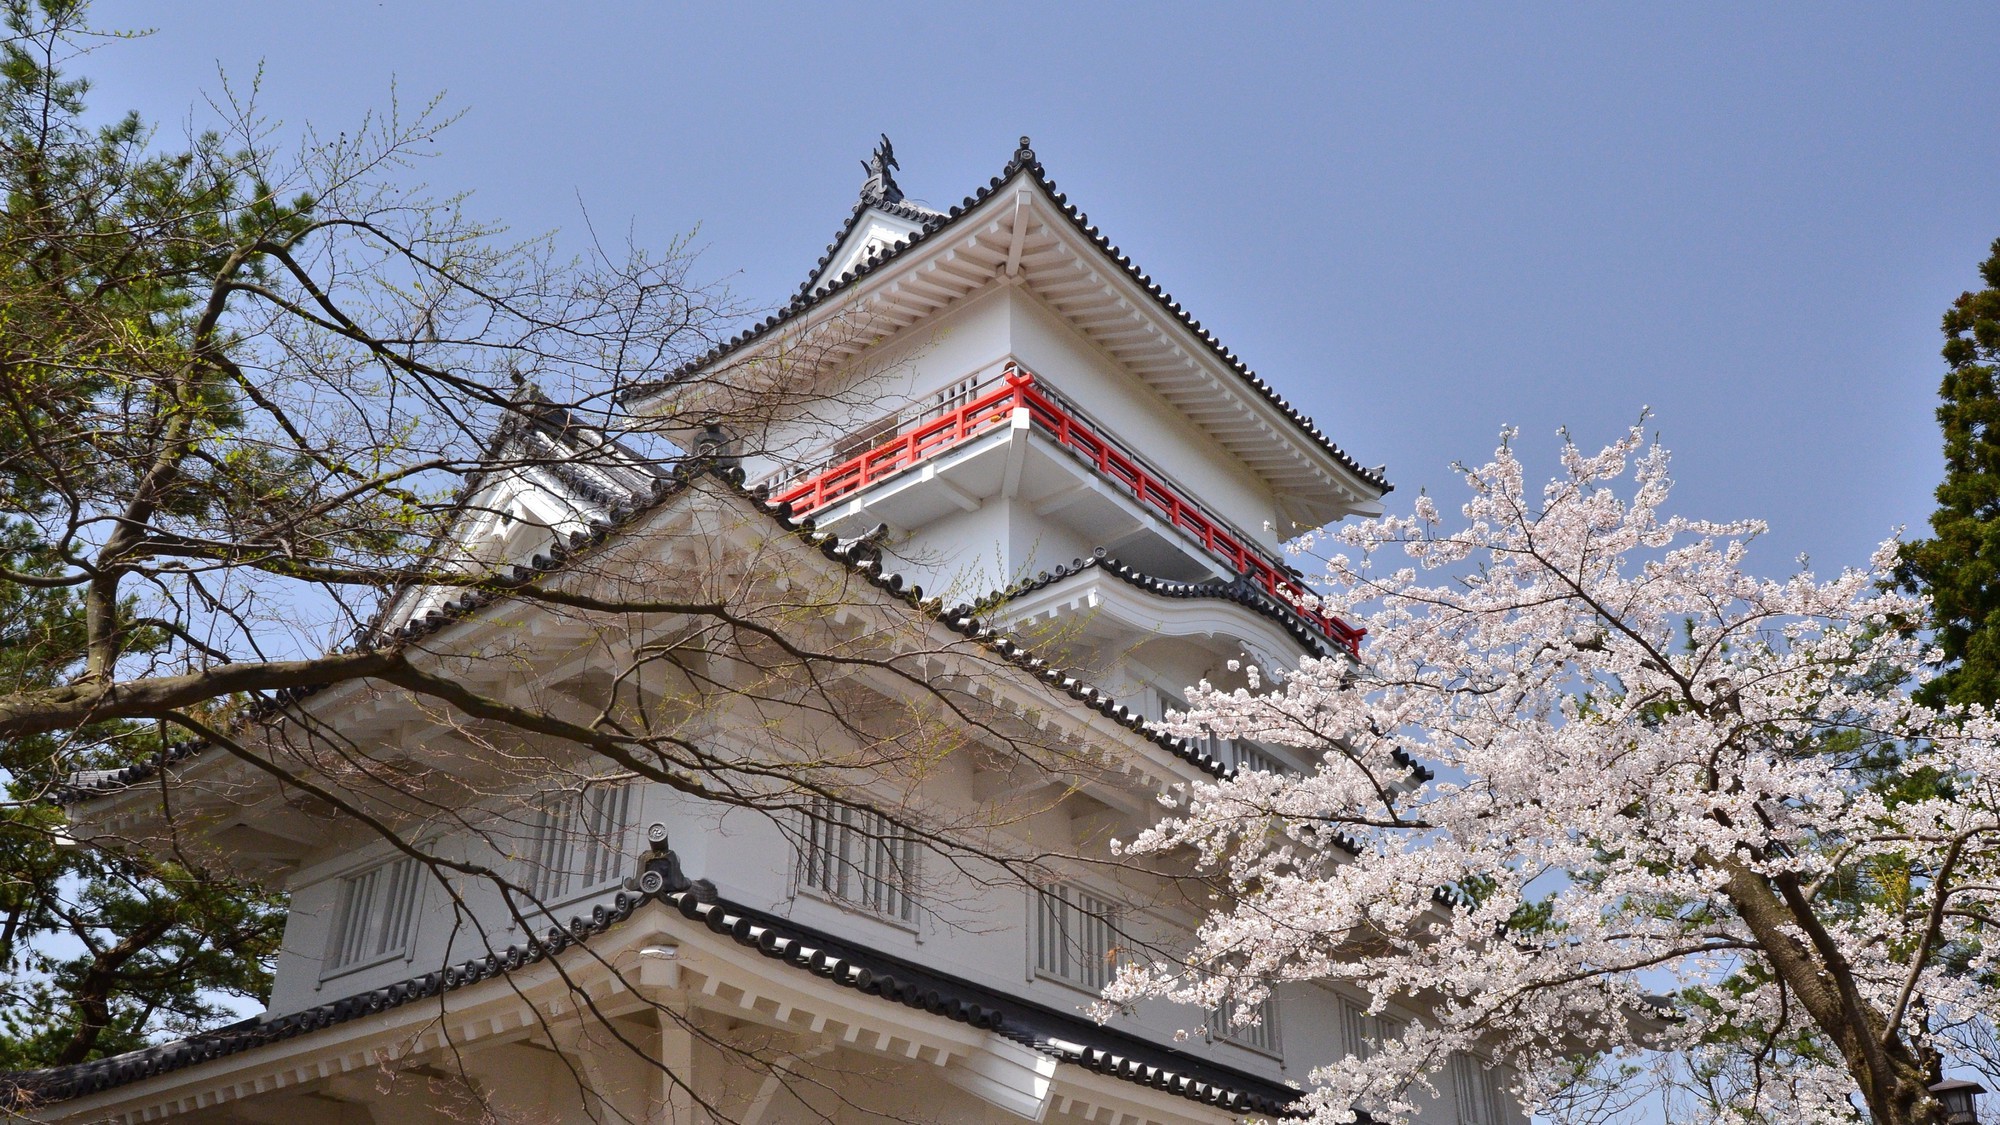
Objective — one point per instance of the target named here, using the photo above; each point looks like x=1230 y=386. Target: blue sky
x=1420 y=222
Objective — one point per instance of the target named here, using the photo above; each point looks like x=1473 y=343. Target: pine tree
x=1960 y=566
x=100 y=950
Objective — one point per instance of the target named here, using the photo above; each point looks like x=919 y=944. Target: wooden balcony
x=996 y=405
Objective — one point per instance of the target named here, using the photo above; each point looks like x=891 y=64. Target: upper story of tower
x=1006 y=395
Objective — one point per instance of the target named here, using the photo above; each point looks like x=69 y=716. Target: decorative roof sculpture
x=880 y=186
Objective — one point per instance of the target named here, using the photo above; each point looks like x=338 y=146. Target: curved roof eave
x=1024 y=163
x=1068 y=1038
x=1238 y=593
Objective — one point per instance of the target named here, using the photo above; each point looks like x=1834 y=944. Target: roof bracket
x=1020 y=234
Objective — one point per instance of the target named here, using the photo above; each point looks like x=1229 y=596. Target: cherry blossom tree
x=1667 y=813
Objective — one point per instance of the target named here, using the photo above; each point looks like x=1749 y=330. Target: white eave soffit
x=1164 y=335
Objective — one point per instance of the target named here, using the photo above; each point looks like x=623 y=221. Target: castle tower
x=1039 y=487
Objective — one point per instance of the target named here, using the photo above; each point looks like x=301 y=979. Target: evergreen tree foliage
x=253 y=384
x=100 y=240
x=245 y=381
x=1959 y=567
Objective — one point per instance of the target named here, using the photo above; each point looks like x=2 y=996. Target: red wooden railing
x=993 y=409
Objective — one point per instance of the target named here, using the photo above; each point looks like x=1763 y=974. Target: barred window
x=375 y=918
x=579 y=842
x=1481 y=1095
x=1076 y=936
x=1220 y=749
x=1362 y=1033
x=858 y=857
x=1251 y=757
x=1259 y=1036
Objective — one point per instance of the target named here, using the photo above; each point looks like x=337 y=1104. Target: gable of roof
x=586 y=470
x=843 y=253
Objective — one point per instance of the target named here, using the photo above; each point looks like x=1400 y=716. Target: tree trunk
x=1891 y=1078
x=92 y=999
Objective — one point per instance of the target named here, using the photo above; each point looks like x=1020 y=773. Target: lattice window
x=375 y=918
x=858 y=857
x=580 y=842
x=1076 y=936
x=1166 y=702
x=1481 y=1095
x=1355 y=1034
x=1259 y=1036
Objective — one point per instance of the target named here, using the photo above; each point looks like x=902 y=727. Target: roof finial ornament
x=1024 y=155
x=880 y=187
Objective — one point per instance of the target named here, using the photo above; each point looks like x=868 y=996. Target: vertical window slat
x=858 y=857
x=375 y=915
x=351 y=922
x=1481 y=1098
x=579 y=841
x=1356 y=1037
x=395 y=913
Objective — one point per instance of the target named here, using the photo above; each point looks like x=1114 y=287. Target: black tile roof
x=1064 y=1035
x=810 y=296
x=1240 y=592
x=859 y=555
x=1049 y=1030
